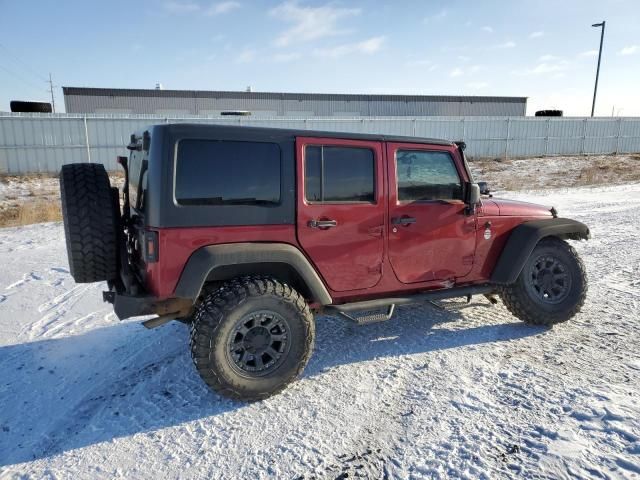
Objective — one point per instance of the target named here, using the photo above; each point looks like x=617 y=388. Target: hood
x=505 y=208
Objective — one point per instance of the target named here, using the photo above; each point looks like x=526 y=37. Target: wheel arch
x=525 y=237
x=218 y=263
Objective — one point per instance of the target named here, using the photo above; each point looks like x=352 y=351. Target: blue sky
x=545 y=49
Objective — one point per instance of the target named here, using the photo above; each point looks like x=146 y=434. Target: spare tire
x=90 y=222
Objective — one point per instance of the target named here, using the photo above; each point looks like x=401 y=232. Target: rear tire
x=91 y=218
x=251 y=337
x=552 y=286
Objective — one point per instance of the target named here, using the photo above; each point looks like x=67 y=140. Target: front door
x=341 y=209
x=431 y=235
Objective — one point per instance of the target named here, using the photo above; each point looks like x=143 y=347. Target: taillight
x=151 y=246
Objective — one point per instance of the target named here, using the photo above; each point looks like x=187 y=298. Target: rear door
x=431 y=235
x=341 y=211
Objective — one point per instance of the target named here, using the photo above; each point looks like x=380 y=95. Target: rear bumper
x=126 y=306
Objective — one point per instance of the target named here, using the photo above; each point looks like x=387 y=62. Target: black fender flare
x=525 y=237
x=205 y=261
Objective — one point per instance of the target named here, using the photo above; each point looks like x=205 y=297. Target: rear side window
x=339 y=174
x=211 y=172
x=135 y=168
x=424 y=175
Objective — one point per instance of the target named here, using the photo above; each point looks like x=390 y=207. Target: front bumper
x=126 y=306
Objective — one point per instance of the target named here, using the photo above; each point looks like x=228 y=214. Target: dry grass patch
x=610 y=170
x=36 y=211
x=557 y=172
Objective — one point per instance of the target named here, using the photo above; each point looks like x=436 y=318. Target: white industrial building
x=270 y=104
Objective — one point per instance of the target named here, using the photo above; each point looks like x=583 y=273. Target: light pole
x=595 y=90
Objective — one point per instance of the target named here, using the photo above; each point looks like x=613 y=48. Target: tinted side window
x=135 y=166
x=426 y=175
x=339 y=174
x=227 y=173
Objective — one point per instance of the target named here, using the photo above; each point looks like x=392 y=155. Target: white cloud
x=630 y=50
x=428 y=64
x=543 y=68
x=477 y=85
x=487 y=29
x=286 y=57
x=589 y=53
x=181 y=7
x=536 y=34
x=418 y=62
x=509 y=44
x=188 y=6
x=458 y=72
x=310 y=23
x=368 y=47
x=222 y=7
x=548 y=58
x=247 y=55
x=547 y=68
x=463 y=58
x=436 y=17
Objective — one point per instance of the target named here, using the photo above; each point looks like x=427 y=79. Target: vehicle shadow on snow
x=67 y=393
x=413 y=330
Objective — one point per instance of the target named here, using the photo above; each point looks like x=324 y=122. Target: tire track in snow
x=373 y=446
x=57 y=308
x=26 y=278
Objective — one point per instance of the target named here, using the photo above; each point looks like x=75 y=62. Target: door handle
x=403 y=220
x=322 y=223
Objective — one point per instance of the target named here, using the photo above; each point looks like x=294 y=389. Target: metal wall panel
x=179 y=102
x=43 y=142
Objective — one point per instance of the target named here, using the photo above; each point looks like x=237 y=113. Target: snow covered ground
x=460 y=392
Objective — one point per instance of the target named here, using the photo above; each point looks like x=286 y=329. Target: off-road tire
x=523 y=305
x=91 y=221
x=213 y=324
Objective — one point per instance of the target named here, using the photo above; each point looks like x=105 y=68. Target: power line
x=40 y=88
x=25 y=65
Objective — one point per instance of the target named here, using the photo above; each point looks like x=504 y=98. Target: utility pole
x=595 y=90
x=53 y=100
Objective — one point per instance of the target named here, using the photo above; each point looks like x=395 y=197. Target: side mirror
x=473 y=195
x=484 y=188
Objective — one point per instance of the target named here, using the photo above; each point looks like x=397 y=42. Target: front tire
x=552 y=286
x=251 y=337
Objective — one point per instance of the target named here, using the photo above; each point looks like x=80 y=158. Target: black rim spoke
x=259 y=343
x=549 y=279
x=272 y=353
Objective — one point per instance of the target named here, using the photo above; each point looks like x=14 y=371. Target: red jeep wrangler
x=247 y=232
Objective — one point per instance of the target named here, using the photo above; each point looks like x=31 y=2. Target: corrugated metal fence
x=42 y=143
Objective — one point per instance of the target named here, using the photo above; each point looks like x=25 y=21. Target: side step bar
x=371 y=318
x=369 y=305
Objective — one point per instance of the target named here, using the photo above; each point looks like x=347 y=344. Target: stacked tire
x=30 y=107
x=549 y=113
x=91 y=218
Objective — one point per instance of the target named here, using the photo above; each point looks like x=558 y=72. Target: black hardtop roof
x=239 y=132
